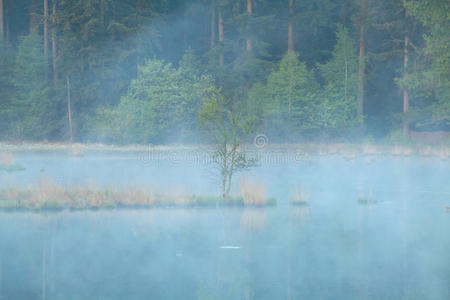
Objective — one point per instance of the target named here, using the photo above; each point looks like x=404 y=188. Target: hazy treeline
x=138 y=71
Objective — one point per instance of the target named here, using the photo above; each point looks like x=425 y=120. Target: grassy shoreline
x=320 y=149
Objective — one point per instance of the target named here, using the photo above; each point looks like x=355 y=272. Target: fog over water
x=334 y=248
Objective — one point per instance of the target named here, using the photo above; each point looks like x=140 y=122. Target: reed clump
x=369 y=149
x=299 y=196
x=76 y=150
x=7 y=159
x=365 y=200
x=402 y=150
x=254 y=193
x=8 y=164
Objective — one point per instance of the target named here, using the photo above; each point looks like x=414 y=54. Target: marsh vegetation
x=50 y=196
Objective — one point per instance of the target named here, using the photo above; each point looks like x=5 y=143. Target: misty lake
x=333 y=248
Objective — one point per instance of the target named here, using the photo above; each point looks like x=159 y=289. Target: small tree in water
x=227 y=125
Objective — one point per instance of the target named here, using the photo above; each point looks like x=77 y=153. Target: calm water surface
x=331 y=249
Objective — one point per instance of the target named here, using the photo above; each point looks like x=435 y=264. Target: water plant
x=299 y=196
x=7 y=163
x=253 y=192
x=76 y=150
x=364 y=200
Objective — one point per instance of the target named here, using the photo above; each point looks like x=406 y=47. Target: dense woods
x=141 y=71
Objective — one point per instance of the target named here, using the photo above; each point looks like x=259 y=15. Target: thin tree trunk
x=221 y=35
x=230 y=173
x=54 y=50
x=46 y=29
x=224 y=170
x=139 y=40
x=346 y=78
x=7 y=25
x=361 y=61
x=213 y=24
x=2 y=22
x=291 y=27
x=249 y=12
x=33 y=15
x=405 y=91
x=102 y=12
x=69 y=111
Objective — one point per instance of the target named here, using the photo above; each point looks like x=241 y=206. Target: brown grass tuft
x=402 y=150
x=7 y=159
x=254 y=193
x=48 y=192
x=136 y=196
x=299 y=196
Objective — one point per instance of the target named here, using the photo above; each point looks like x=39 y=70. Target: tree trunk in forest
x=249 y=12
x=2 y=22
x=361 y=61
x=291 y=27
x=221 y=37
x=102 y=12
x=54 y=52
x=139 y=40
x=69 y=111
x=405 y=90
x=46 y=29
x=213 y=24
x=33 y=17
x=7 y=25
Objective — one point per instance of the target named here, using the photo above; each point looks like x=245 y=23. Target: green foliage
x=6 y=87
x=432 y=81
x=101 y=43
x=161 y=102
x=32 y=114
x=288 y=97
x=12 y=168
x=338 y=98
x=227 y=124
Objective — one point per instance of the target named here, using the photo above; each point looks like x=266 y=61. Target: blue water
x=332 y=249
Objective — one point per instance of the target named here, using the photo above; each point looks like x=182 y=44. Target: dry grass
x=299 y=195
x=48 y=192
x=402 y=150
x=425 y=151
x=138 y=196
x=50 y=195
x=371 y=150
x=254 y=193
x=178 y=195
x=7 y=159
x=444 y=153
x=76 y=150
x=335 y=148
